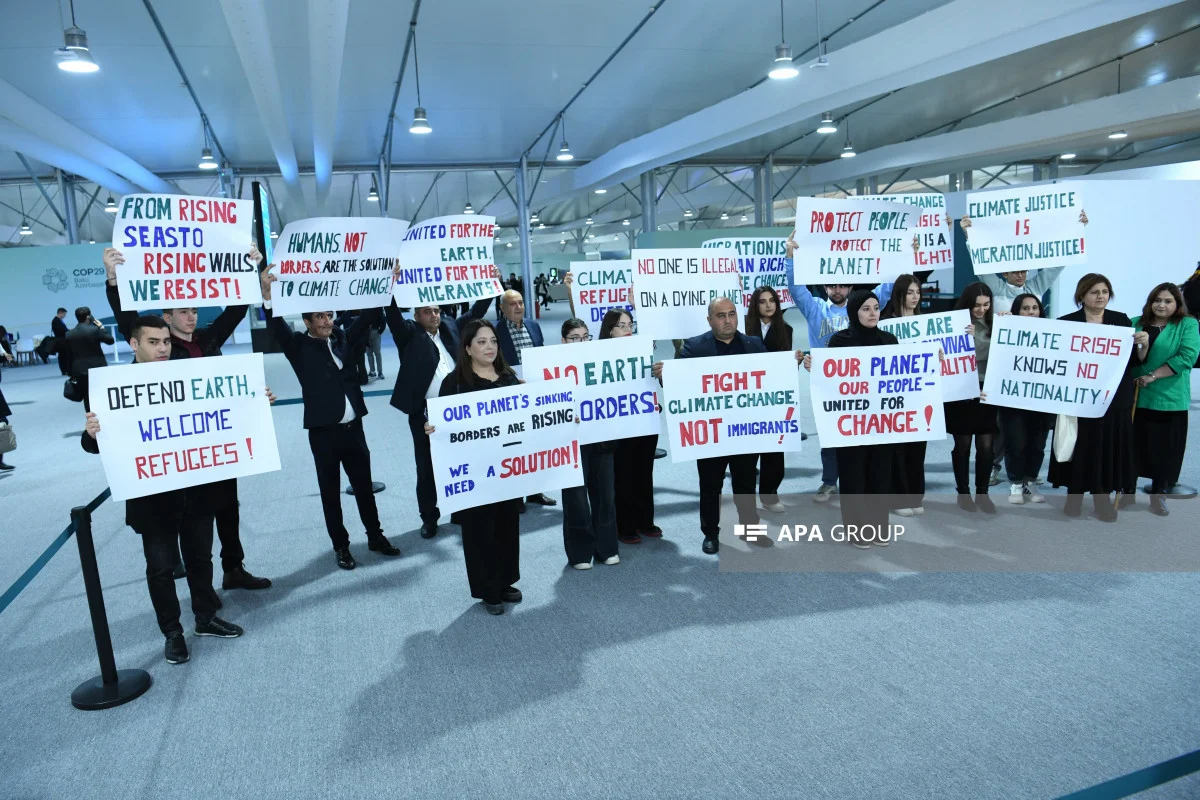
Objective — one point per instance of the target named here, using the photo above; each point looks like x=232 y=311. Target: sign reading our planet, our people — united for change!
x=853 y=241
x=183 y=251
x=761 y=262
x=1027 y=228
x=673 y=288
x=448 y=260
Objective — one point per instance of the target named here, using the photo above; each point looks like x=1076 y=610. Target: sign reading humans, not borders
x=448 y=260
x=674 y=287
x=1027 y=228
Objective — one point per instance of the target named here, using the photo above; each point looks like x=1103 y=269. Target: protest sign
x=616 y=397
x=1055 y=366
x=499 y=444
x=448 y=260
x=598 y=286
x=760 y=263
x=336 y=263
x=185 y=251
x=934 y=236
x=853 y=241
x=172 y=424
x=877 y=395
x=673 y=288
x=725 y=406
x=947 y=330
x=1027 y=228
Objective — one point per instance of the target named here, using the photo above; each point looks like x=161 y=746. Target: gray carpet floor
x=661 y=677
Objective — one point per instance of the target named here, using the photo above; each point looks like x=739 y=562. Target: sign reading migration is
x=173 y=424
x=674 y=287
x=185 y=251
x=448 y=260
x=760 y=263
x=597 y=286
x=877 y=395
x=336 y=263
x=1027 y=228
x=1056 y=366
x=853 y=241
x=947 y=330
x=725 y=406
x=934 y=236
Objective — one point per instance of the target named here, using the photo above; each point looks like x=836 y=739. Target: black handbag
x=71 y=391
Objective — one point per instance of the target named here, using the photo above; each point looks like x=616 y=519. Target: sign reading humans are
x=503 y=443
x=173 y=424
x=674 y=287
x=616 y=397
x=877 y=395
x=1027 y=228
x=336 y=263
x=1056 y=366
x=448 y=260
x=934 y=237
x=947 y=330
x=760 y=263
x=725 y=406
x=600 y=285
x=853 y=241
x=185 y=252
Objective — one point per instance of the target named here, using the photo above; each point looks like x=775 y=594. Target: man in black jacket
x=180 y=519
x=188 y=342
x=84 y=342
x=333 y=412
x=58 y=329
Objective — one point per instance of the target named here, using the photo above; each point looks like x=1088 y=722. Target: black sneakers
x=176 y=651
x=218 y=627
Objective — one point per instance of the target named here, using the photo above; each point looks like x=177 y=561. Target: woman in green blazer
x=1166 y=341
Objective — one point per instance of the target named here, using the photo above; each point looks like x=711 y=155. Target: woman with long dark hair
x=764 y=319
x=1166 y=341
x=1024 y=432
x=973 y=419
x=908 y=467
x=905 y=300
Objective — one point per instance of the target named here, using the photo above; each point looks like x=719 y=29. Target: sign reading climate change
x=336 y=263
x=173 y=424
x=934 y=237
x=185 y=252
x=499 y=444
x=877 y=395
x=853 y=241
x=760 y=263
x=947 y=330
x=726 y=406
x=597 y=286
x=674 y=287
x=448 y=260
x=1056 y=366
x=1028 y=228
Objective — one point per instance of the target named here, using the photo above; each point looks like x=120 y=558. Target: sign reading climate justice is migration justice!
x=853 y=241
x=336 y=263
x=185 y=252
x=172 y=424
x=877 y=395
x=499 y=444
x=598 y=286
x=448 y=260
x=1056 y=366
x=934 y=237
x=1027 y=228
x=726 y=406
x=616 y=396
x=760 y=262
x=673 y=288
x=947 y=330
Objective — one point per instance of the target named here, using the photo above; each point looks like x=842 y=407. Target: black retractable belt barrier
x=114 y=686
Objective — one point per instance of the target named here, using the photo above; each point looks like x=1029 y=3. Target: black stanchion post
x=114 y=686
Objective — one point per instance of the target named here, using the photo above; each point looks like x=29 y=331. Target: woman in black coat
x=908 y=468
x=765 y=320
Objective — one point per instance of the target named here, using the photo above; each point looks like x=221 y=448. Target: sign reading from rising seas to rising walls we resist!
x=448 y=260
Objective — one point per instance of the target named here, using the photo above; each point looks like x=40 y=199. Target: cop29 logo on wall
x=55 y=279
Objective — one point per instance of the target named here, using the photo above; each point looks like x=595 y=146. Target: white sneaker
x=1039 y=480
x=825 y=493
x=918 y=510
x=774 y=508
x=995 y=479
x=1016 y=493
x=584 y=565
x=1031 y=493
x=612 y=560
x=905 y=512
x=884 y=542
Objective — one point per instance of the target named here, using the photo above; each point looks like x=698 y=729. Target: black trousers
x=865 y=481
x=633 y=468
x=81 y=383
x=491 y=536
x=908 y=474
x=1023 y=434
x=335 y=448
x=770 y=475
x=712 y=479
x=193 y=536
x=426 y=486
x=229 y=519
x=589 y=511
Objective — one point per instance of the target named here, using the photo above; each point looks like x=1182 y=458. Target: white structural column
x=17 y=138
x=326 y=49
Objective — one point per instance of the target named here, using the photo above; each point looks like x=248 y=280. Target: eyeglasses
x=625 y=326
x=587 y=337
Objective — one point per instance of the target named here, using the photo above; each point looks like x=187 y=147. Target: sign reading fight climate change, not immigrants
x=1027 y=228
x=448 y=260
x=185 y=252
x=173 y=424
x=947 y=330
x=853 y=241
x=597 y=286
x=674 y=287
x=760 y=262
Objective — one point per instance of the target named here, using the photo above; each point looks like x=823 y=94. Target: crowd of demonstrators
x=974 y=420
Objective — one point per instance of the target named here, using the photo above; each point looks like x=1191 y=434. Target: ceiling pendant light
x=534 y=217
x=274 y=234
x=508 y=244
x=1121 y=134
x=110 y=206
x=782 y=67
x=541 y=226
x=420 y=123
x=827 y=125
x=745 y=218
x=601 y=191
x=687 y=212
x=564 y=152
x=206 y=159
x=724 y=215
x=468 y=209
x=372 y=193
x=624 y=222
x=822 y=43
x=25 y=229
x=1066 y=157
x=75 y=55
x=1118 y=135
x=848 y=150
x=588 y=220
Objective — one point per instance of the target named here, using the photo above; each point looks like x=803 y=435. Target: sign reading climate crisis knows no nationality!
x=185 y=251
x=499 y=444
x=336 y=263
x=173 y=424
x=853 y=241
x=1027 y=228
x=760 y=262
x=674 y=287
x=934 y=236
x=598 y=286
x=448 y=260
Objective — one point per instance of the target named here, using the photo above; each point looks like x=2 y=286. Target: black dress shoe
x=380 y=544
x=239 y=578
x=344 y=559
x=542 y=500
x=495 y=609
x=6 y=467
x=218 y=627
x=711 y=546
x=511 y=595
x=176 y=651
x=428 y=530
x=654 y=532
x=456 y=518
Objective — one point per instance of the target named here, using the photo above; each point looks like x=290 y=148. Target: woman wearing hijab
x=908 y=468
x=764 y=319
x=973 y=419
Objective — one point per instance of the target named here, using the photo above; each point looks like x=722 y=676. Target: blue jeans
x=829 y=467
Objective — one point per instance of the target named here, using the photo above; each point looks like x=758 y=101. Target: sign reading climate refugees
x=184 y=251
x=1027 y=228
x=1056 y=366
x=934 y=237
x=760 y=263
x=947 y=330
x=877 y=395
x=499 y=444
x=172 y=424
x=598 y=286
x=853 y=241
x=448 y=260
x=616 y=397
x=725 y=406
x=674 y=287
x=336 y=263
